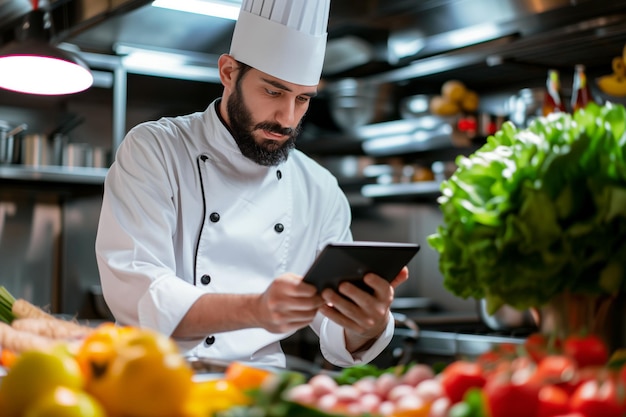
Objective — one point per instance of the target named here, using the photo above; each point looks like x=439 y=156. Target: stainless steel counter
x=70 y=175
x=460 y=344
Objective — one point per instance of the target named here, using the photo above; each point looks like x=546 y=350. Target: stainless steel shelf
x=459 y=344
x=409 y=189
x=57 y=174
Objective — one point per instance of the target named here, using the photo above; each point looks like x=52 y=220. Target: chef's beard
x=264 y=152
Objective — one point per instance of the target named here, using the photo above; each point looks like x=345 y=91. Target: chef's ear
x=228 y=68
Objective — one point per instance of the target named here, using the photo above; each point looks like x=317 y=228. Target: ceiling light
x=32 y=65
x=225 y=9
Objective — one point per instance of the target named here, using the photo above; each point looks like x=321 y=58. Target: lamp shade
x=33 y=65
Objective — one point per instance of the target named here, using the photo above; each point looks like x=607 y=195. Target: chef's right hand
x=288 y=304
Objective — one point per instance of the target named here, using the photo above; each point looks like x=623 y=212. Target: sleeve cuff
x=160 y=311
x=333 y=344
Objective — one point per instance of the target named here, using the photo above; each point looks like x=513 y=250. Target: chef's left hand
x=363 y=316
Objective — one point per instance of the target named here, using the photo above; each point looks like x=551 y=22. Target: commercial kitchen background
x=385 y=51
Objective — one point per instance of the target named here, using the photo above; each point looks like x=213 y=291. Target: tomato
x=460 y=376
x=540 y=345
x=597 y=398
x=489 y=361
x=586 y=350
x=583 y=375
x=555 y=369
x=511 y=394
x=553 y=401
x=493 y=359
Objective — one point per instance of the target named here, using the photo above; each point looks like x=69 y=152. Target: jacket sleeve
x=134 y=248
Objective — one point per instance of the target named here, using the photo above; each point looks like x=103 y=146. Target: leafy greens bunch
x=539 y=211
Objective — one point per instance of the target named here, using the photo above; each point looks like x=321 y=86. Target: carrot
x=53 y=328
x=23 y=309
x=19 y=341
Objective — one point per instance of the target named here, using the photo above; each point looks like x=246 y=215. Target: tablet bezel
x=350 y=261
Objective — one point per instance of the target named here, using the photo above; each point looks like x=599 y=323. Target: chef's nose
x=286 y=114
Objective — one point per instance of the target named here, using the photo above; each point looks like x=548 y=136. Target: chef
x=209 y=220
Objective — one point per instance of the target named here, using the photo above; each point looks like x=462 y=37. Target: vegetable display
x=538 y=212
x=122 y=371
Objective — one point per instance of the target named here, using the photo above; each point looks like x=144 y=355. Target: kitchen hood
x=419 y=43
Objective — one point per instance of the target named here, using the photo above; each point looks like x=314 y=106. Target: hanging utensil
x=67 y=125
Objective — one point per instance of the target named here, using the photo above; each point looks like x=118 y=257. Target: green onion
x=6 y=305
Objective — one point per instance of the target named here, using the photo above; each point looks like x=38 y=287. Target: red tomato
x=597 y=398
x=540 y=345
x=493 y=359
x=583 y=375
x=506 y=349
x=553 y=401
x=508 y=395
x=536 y=346
x=460 y=376
x=587 y=350
x=555 y=369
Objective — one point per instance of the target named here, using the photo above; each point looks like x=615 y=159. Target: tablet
x=339 y=262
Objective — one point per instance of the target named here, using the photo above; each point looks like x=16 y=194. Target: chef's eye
x=271 y=92
x=303 y=99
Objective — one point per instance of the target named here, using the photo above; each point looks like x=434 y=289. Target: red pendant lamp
x=32 y=65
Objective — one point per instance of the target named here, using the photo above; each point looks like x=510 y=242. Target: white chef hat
x=283 y=38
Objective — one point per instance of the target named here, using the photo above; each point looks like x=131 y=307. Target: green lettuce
x=538 y=211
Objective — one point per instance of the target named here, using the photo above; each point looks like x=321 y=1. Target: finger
x=335 y=315
x=357 y=310
x=308 y=289
x=380 y=286
x=402 y=277
x=294 y=286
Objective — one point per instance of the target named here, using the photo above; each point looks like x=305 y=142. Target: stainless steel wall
x=79 y=273
x=30 y=230
x=411 y=222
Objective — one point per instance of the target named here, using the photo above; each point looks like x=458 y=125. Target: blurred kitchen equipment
x=349 y=166
x=67 y=125
x=9 y=142
x=99 y=304
x=346 y=53
x=77 y=155
x=40 y=149
x=401 y=353
x=506 y=318
x=525 y=106
x=36 y=150
x=355 y=103
x=414 y=106
x=100 y=157
x=59 y=142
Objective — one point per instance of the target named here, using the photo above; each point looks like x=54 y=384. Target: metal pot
x=354 y=103
x=9 y=142
x=36 y=150
x=506 y=318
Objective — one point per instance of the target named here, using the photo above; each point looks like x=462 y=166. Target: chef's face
x=266 y=115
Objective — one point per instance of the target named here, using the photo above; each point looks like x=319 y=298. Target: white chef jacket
x=185 y=213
